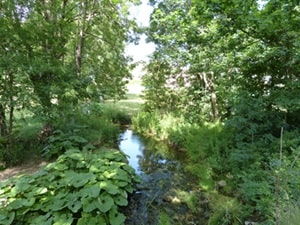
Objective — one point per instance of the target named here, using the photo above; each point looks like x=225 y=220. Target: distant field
x=132 y=103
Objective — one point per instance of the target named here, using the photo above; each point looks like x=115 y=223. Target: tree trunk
x=83 y=26
x=11 y=104
x=3 y=127
x=81 y=38
x=210 y=87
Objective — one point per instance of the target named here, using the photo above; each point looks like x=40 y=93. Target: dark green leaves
x=68 y=188
x=106 y=202
x=6 y=217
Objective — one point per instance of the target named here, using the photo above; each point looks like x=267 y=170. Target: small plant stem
x=281 y=137
x=277 y=181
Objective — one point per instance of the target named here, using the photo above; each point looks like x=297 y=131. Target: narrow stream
x=133 y=147
x=167 y=194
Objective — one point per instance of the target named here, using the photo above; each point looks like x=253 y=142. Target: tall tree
x=55 y=54
x=72 y=49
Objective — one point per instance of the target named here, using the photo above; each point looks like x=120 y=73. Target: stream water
x=167 y=193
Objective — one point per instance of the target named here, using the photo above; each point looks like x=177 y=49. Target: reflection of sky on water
x=132 y=146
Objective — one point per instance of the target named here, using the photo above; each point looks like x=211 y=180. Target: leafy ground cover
x=80 y=187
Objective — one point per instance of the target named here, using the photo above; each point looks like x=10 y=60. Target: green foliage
x=225 y=210
x=59 y=142
x=238 y=160
x=88 y=127
x=256 y=189
x=52 y=60
x=164 y=126
x=79 y=188
x=290 y=214
x=217 y=60
x=165 y=219
x=146 y=123
x=115 y=114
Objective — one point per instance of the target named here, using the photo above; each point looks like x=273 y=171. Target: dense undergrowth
x=86 y=127
x=86 y=183
x=245 y=178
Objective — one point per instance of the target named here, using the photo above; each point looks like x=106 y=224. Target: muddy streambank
x=167 y=193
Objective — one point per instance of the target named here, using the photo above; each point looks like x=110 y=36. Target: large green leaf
x=42 y=219
x=18 y=203
x=121 y=200
x=116 y=218
x=105 y=203
x=109 y=187
x=56 y=205
x=117 y=174
x=75 y=154
x=6 y=217
x=114 y=156
x=91 y=191
x=73 y=202
x=88 y=205
x=77 y=179
x=39 y=190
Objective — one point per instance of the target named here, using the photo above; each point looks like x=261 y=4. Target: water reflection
x=145 y=160
x=132 y=146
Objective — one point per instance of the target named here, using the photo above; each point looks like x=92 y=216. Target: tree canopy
x=210 y=54
x=58 y=53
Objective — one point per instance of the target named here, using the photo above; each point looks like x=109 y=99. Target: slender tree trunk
x=11 y=116
x=81 y=38
x=210 y=87
x=11 y=104
x=213 y=99
x=3 y=127
x=83 y=26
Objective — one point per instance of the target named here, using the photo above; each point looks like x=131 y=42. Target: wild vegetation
x=59 y=62
x=80 y=187
x=222 y=86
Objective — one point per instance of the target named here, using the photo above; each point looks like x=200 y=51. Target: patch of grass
x=188 y=198
x=225 y=210
x=290 y=215
x=165 y=219
x=131 y=105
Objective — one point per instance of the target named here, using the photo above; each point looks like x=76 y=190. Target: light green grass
x=131 y=105
x=133 y=101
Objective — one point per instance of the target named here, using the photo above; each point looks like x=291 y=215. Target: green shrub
x=165 y=219
x=147 y=123
x=82 y=129
x=79 y=188
x=59 y=142
x=23 y=143
x=116 y=115
x=210 y=142
x=225 y=210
